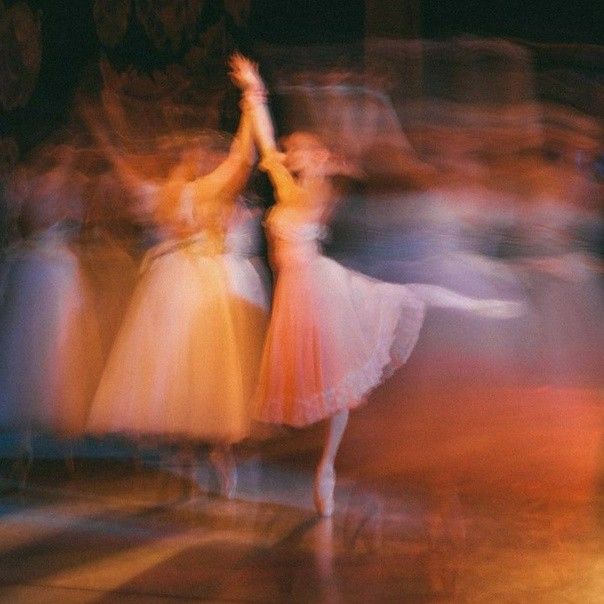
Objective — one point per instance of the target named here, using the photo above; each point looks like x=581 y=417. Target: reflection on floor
x=476 y=497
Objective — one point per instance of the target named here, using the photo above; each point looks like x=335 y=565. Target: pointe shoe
x=325 y=482
x=226 y=470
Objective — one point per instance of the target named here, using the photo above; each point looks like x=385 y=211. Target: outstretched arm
x=246 y=76
x=232 y=175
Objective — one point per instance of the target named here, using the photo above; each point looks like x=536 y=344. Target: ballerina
x=50 y=350
x=334 y=334
x=179 y=366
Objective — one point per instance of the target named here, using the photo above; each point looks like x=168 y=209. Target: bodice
x=60 y=231
x=294 y=235
x=53 y=239
x=203 y=243
x=242 y=237
x=175 y=219
x=53 y=244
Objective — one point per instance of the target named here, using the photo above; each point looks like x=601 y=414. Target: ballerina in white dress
x=179 y=368
x=334 y=334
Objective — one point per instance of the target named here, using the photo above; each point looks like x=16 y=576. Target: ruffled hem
x=390 y=353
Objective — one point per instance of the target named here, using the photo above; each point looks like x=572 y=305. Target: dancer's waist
x=198 y=245
x=288 y=254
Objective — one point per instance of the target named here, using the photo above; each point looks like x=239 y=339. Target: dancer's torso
x=295 y=236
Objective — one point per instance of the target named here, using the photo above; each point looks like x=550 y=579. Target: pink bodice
x=295 y=239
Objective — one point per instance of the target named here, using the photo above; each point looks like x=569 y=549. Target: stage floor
x=468 y=491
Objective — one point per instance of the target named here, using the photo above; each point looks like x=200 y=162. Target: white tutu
x=333 y=332
x=50 y=349
x=184 y=361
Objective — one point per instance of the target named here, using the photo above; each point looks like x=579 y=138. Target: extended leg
x=434 y=295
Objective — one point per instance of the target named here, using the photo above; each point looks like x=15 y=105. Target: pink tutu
x=333 y=333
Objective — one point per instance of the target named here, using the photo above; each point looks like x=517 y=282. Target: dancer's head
x=305 y=154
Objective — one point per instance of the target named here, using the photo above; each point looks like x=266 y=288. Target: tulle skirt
x=50 y=349
x=185 y=358
x=334 y=335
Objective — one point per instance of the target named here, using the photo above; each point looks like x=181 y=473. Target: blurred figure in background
x=50 y=348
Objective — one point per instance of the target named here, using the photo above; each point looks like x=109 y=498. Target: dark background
x=573 y=21
x=297 y=21
x=70 y=43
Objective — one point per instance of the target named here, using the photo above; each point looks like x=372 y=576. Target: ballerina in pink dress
x=334 y=334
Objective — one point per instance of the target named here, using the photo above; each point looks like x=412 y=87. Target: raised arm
x=232 y=175
x=246 y=76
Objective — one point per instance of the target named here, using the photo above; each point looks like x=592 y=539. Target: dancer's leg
x=325 y=477
x=434 y=295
